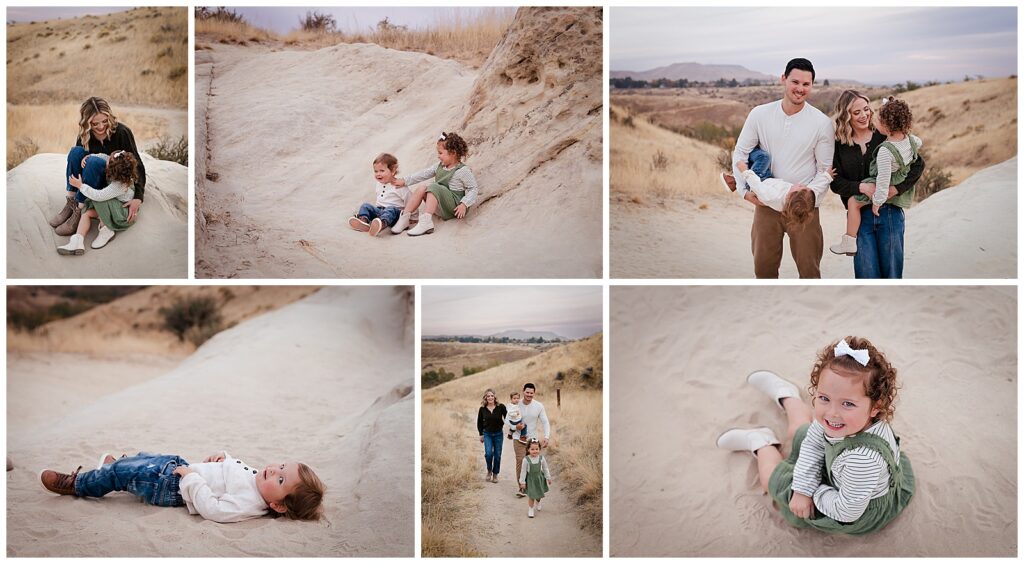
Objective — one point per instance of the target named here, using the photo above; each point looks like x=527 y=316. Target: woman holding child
x=99 y=133
x=879 y=238
x=490 y=423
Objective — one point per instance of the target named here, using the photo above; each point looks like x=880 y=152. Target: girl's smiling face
x=383 y=174
x=446 y=158
x=881 y=126
x=841 y=404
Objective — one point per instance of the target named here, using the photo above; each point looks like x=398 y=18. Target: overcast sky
x=30 y=14
x=868 y=44
x=285 y=19
x=570 y=311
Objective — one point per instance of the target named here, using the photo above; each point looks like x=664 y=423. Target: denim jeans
x=95 y=173
x=492 y=451
x=387 y=215
x=149 y=476
x=760 y=162
x=880 y=243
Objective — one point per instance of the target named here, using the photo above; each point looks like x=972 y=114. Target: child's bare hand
x=549 y=482
x=215 y=458
x=75 y=181
x=801 y=506
x=460 y=211
x=85 y=158
x=183 y=471
x=875 y=208
x=399 y=182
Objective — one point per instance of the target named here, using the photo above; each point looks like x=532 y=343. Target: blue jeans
x=880 y=243
x=492 y=451
x=387 y=215
x=95 y=173
x=760 y=162
x=149 y=476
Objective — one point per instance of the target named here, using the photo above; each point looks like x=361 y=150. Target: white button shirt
x=224 y=492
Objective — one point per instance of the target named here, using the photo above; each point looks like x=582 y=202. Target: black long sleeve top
x=120 y=140
x=491 y=421
x=852 y=167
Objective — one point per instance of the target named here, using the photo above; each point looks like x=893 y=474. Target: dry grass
x=229 y=32
x=451 y=449
x=453 y=35
x=453 y=357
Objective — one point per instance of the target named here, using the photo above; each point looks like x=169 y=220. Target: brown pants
x=805 y=243
x=520 y=450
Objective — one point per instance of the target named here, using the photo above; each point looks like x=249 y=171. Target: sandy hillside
x=353 y=427
x=531 y=115
x=156 y=247
x=690 y=349
x=463 y=515
x=134 y=324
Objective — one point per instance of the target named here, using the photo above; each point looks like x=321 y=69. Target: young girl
x=221 y=488
x=796 y=206
x=845 y=473
x=889 y=167
x=391 y=199
x=450 y=195
x=106 y=204
x=535 y=476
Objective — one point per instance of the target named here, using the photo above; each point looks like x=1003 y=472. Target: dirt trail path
x=500 y=526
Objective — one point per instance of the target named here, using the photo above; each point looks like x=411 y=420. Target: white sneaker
x=376 y=226
x=75 y=246
x=424 y=227
x=103 y=238
x=747 y=439
x=847 y=246
x=402 y=224
x=530 y=512
x=358 y=224
x=773 y=386
x=728 y=180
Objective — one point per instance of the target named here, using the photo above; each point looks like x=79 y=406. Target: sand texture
x=155 y=247
x=968 y=231
x=680 y=358
x=324 y=380
x=290 y=136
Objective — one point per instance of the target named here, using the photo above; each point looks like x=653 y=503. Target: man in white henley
x=534 y=419
x=800 y=140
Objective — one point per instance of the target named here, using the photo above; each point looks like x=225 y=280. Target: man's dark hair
x=529 y=385
x=800 y=64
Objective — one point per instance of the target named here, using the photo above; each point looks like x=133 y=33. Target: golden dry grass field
x=452 y=456
x=137 y=60
x=454 y=357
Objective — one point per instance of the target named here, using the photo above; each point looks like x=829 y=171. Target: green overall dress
x=905 y=199
x=447 y=199
x=112 y=213
x=536 y=483
x=880 y=511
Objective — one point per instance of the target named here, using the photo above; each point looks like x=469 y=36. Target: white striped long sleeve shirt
x=462 y=181
x=884 y=161
x=860 y=474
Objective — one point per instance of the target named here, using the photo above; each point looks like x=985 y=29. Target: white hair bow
x=860 y=355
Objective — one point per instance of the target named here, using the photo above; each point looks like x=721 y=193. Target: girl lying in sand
x=390 y=199
x=105 y=204
x=845 y=473
x=454 y=188
x=221 y=489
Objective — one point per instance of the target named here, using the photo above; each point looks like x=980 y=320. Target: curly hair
x=122 y=167
x=90 y=108
x=305 y=503
x=896 y=116
x=880 y=386
x=454 y=144
x=841 y=116
x=798 y=209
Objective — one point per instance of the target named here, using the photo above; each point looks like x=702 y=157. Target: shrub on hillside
x=934 y=179
x=170 y=150
x=193 y=318
x=318 y=22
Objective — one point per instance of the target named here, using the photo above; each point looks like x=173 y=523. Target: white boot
x=747 y=439
x=847 y=246
x=530 y=512
x=774 y=386
x=402 y=224
x=425 y=226
x=537 y=505
x=75 y=246
x=103 y=238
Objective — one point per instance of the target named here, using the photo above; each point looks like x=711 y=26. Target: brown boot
x=63 y=484
x=70 y=226
x=65 y=213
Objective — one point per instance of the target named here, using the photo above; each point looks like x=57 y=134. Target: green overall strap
x=443 y=176
x=863 y=439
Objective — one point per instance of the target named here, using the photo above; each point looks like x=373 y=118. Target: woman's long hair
x=483 y=399
x=90 y=108
x=841 y=117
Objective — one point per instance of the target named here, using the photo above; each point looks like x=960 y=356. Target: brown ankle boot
x=65 y=213
x=63 y=484
x=70 y=226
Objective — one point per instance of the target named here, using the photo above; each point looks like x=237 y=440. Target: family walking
x=525 y=422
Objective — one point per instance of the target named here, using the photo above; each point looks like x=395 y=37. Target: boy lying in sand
x=221 y=489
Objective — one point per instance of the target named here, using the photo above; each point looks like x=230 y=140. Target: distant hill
x=511 y=334
x=695 y=72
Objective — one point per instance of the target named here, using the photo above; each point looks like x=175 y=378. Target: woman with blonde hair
x=490 y=423
x=880 y=238
x=99 y=133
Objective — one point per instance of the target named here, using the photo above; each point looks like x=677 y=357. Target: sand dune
x=292 y=156
x=968 y=231
x=324 y=380
x=156 y=247
x=680 y=357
